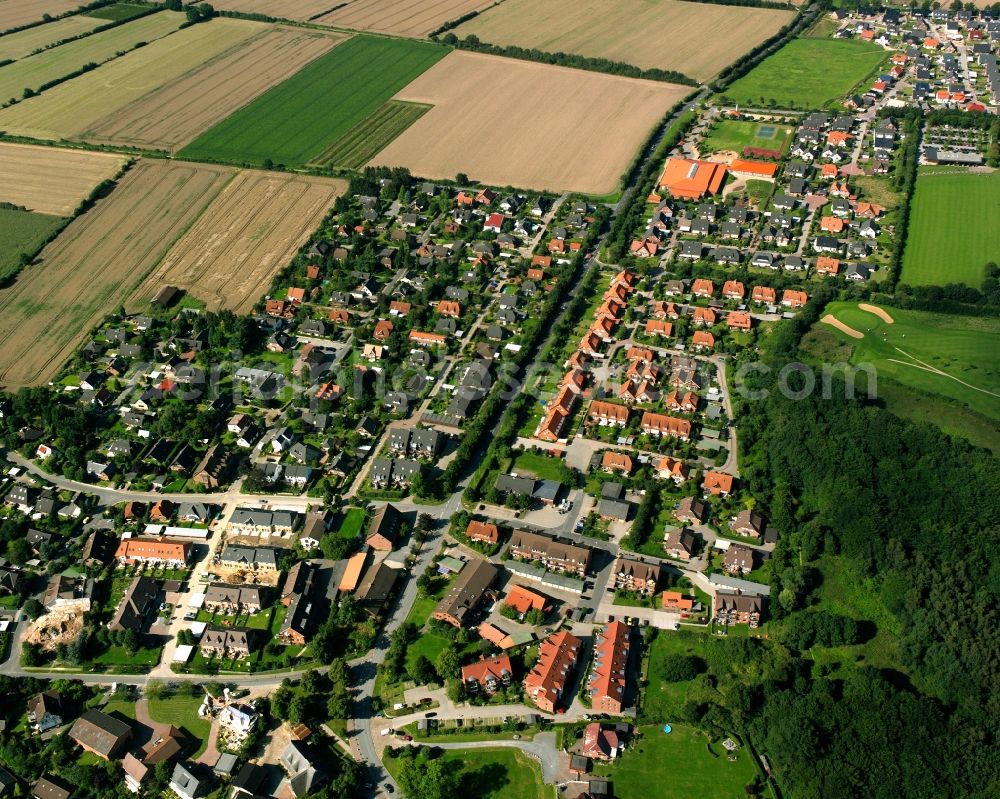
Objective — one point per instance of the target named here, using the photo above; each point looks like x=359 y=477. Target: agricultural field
x=953 y=228
x=17 y=45
x=48 y=180
x=16 y=13
x=286 y=125
x=807 y=73
x=680 y=765
x=117 y=12
x=697 y=39
x=732 y=135
x=96 y=262
x=281 y=9
x=70 y=108
x=535 y=127
x=21 y=233
x=35 y=71
x=173 y=115
x=955 y=357
x=230 y=254
x=400 y=17
x=363 y=142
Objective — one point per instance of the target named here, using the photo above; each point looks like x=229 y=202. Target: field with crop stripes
x=366 y=139
x=292 y=123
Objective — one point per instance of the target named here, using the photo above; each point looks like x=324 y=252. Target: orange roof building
x=702 y=288
x=655 y=327
x=427 y=339
x=659 y=424
x=692 y=180
x=703 y=339
x=557 y=657
x=825 y=265
x=607 y=677
x=608 y=412
x=764 y=294
x=703 y=316
x=352 y=573
x=382 y=330
x=792 y=298
x=672 y=468
x=152 y=550
x=616 y=462
x=733 y=290
x=718 y=483
x=487 y=675
x=524 y=599
x=484 y=532
x=675 y=600
x=759 y=169
x=449 y=308
x=739 y=320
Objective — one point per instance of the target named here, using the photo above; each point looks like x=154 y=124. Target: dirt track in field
x=15 y=13
x=95 y=263
x=697 y=39
x=229 y=256
x=52 y=180
x=400 y=17
x=174 y=115
x=509 y=122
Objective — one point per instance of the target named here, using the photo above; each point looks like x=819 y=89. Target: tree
x=423 y=671
x=33 y=608
x=156 y=689
x=131 y=642
x=447 y=663
x=281 y=701
x=423 y=778
x=680 y=668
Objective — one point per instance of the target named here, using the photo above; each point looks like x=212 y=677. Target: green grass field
x=961 y=348
x=22 y=232
x=807 y=73
x=118 y=11
x=182 y=711
x=351 y=522
x=370 y=136
x=544 y=467
x=491 y=773
x=678 y=766
x=735 y=134
x=35 y=71
x=18 y=45
x=298 y=119
x=953 y=228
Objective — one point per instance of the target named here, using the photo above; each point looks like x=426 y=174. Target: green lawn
x=544 y=467
x=662 y=701
x=953 y=227
x=491 y=773
x=122 y=707
x=735 y=134
x=182 y=711
x=370 y=136
x=678 y=766
x=964 y=348
x=351 y=523
x=298 y=119
x=807 y=73
x=35 y=71
x=22 y=232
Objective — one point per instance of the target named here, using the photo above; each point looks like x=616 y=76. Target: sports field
x=953 y=230
x=17 y=45
x=363 y=142
x=953 y=356
x=735 y=134
x=807 y=73
x=66 y=110
x=96 y=262
x=292 y=123
x=250 y=231
x=35 y=71
x=22 y=232
x=173 y=115
x=52 y=180
x=697 y=39
x=509 y=122
x=679 y=765
x=15 y=13
x=400 y=17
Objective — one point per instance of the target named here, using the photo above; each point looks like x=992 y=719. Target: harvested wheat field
x=696 y=39
x=536 y=126
x=249 y=232
x=15 y=13
x=279 y=9
x=174 y=115
x=67 y=110
x=51 y=180
x=96 y=262
x=400 y=17
x=17 y=45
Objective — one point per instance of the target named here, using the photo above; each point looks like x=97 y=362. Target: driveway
x=555 y=764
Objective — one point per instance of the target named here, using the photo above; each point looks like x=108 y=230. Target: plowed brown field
x=50 y=180
x=281 y=9
x=401 y=17
x=175 y=114
x=509 y=122
x=250 y=231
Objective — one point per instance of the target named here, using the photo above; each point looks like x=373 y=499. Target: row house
x=232 y=599
x=608 y=413
x=731 y=609
x=553 y=553
x=608 y=676
x=553 y=671
x=636 y=576
x=153 y=551
x=659 y=424
x=223 y=642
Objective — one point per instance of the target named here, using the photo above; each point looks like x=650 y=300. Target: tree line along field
x=807 y=73
x=366 y=139
x=18 y=45
x=952 y=232
x=517 y=123
x=400 y=17
x=286 y=124
x=954 y=357
x=229 y=255
x=52 y=180
x=70 y=108
x=218 y=231
x=34 y=71
x=174 y=114
x=696 y=39
x=17 y=13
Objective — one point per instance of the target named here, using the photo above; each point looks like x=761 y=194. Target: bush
x=680 y=668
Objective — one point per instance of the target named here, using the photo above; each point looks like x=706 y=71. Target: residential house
x=101 y=734
x=227 y=642
x=718 y=483
x=608 y=674
x=44 y=711
x=636 y=576
x=553 y=670
x=738 y=560
x=551 y=552
x=467 y=593
x=679 y=543
x=487 y=675
x=385 y=528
